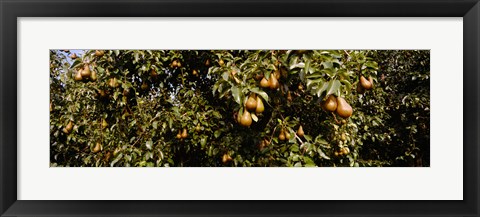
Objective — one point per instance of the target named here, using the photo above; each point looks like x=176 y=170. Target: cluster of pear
x=67 y=129
x=272 y=82
x=364 y=84
x=342 y=151
x=176 y=64
x=339 y=105
x=182 y=134
x=226 y=158
x=85 y=73
x=253 y=104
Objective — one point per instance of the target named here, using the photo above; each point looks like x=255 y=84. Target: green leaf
x=149 y=144
x=333 y=87
x=261 y=93
x=155 y=124
x=237 y=95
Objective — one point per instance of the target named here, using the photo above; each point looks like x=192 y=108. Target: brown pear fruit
x=226 y=158
x=207 y=63
x=281 y=136
x=360 y=88
x=194 y=72
x=174 y=64
x=113 y=82
x=344 y=137
x=344 y=110
x=365 y=83
x=78 y=75
x=97 y=148
x=239 y=117
x=370 y=79
x=68 y=128
x=179 y=64
x=102 y=93
x=93 y=76
x=220 y=62
x=287 y=135
x=260 y=107
x=264 y=83
x=251 y=103
x=153 y=73
x=86 y=71
x=144 y=86
x=330 y=104
x=273 y=82
x=179 y=134
x=246 y=119
x=99 y=53
x=300 y=132
x=184 y=133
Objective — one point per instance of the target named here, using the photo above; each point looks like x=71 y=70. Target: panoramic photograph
x=239 y=108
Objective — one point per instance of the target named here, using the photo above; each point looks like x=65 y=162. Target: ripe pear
x=174 y=64
x=281 y=136
x=220 y=62
x=99 y=53
x=260 y=108
x=194 y=72
x=113 y=82
x=86 y=71
x=365 y=83
x=68 y=128
x=179 y=134
x=264 y=83
x=330 y=104
x=370 y=79
x=78 y=75
x=144 y=86
x=344 y=110
x=287 y=135
x=246 y=119
x=102 y=93
x=184 y=133
x=179 y=64
x=198 y=128
x=207 y=63
x=251 y=103
x=153 y=73
x=273 y=82
x=104 y=124
x=93 y=76
x=226 y=158
x=344 y=137
x=97 y=148
x=300 y=132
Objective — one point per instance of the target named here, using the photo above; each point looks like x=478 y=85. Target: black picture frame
x=10 y=10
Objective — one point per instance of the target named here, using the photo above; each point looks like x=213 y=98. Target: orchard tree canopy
x=250 y=108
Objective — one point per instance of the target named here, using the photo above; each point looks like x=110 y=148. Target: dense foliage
x=203 y=108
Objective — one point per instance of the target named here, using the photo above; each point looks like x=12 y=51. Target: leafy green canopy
x=193 y=107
